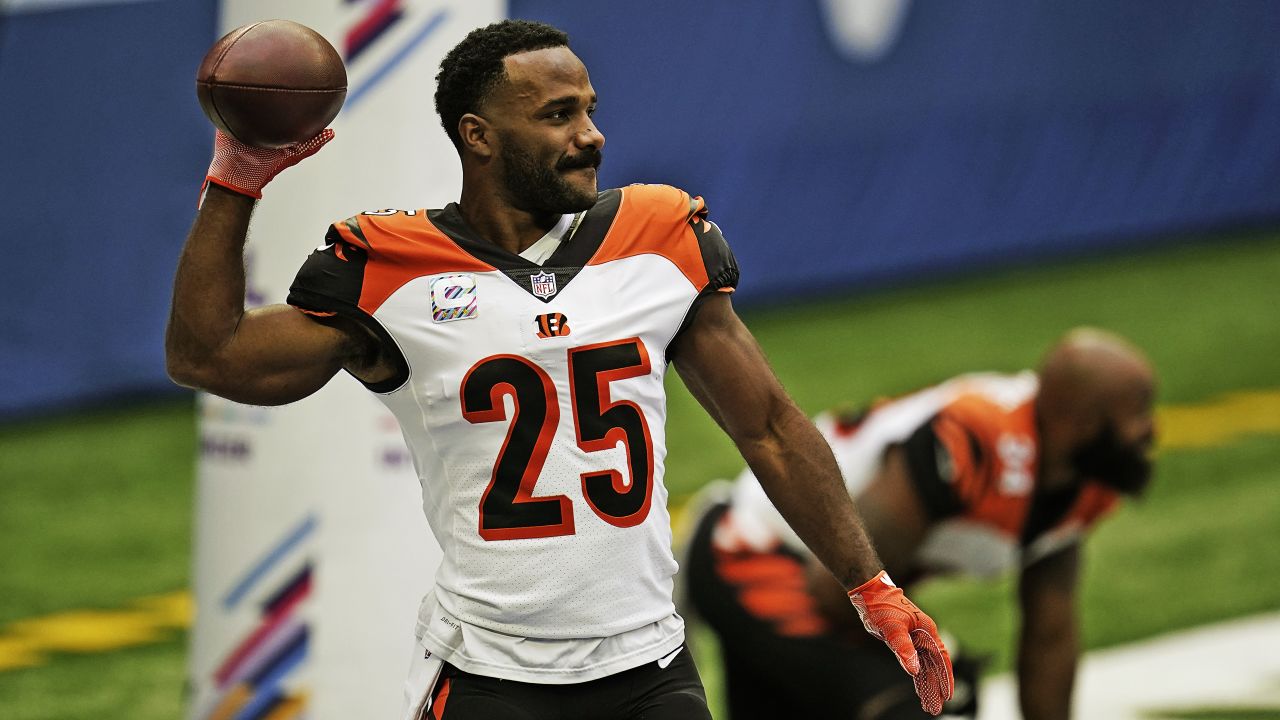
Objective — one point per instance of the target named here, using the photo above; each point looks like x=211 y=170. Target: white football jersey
x=531 y=398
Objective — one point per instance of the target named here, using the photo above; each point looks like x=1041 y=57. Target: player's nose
x=590 y=137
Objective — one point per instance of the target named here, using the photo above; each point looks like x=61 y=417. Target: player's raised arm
x=267 y=356
x=726 y=371
x=270 y=88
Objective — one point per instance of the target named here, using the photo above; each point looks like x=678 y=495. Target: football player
x=980 y=474
x=521 y=336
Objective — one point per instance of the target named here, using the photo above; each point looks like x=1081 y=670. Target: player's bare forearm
x=208 y=290
x=894 y=519
x=267 y=357
x=1048 y=643
x=798 y=472
x=726 y=371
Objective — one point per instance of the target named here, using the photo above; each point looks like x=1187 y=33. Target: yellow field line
x=147 y=620
x=1221 y=421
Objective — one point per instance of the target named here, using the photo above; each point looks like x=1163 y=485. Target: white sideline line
x=1234 y=664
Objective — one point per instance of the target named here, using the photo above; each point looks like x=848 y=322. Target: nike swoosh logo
x=663 y=662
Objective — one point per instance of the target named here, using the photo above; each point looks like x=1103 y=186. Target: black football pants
x=648 y=692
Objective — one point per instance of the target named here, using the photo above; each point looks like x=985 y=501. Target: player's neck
x=498 y=222
x=1056 y=476
x=1056 y=471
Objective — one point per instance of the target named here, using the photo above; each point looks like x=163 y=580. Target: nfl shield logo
x=544 y=284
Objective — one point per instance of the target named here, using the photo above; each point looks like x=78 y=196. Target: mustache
x=589 y=158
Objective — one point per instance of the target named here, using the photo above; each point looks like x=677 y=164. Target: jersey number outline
x=508 y=508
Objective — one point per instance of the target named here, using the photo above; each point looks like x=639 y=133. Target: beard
x=1124 y=468
x=536 y=187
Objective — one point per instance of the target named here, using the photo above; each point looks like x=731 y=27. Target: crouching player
x=979 y=474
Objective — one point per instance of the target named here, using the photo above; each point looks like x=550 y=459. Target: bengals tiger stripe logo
x=552 y=325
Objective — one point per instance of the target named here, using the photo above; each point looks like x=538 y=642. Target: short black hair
x=473 y=68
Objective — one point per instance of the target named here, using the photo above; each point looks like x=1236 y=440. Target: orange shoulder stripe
x=403 y=247
x=655 y=220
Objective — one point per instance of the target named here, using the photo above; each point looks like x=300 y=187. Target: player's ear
x=476 y=135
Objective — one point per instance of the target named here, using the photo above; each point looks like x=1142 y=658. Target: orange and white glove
x=889 y=616
x=246 y=169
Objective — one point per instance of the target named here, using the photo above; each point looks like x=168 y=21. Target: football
x=271 y=83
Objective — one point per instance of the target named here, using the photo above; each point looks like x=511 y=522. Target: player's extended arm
x=1048 y=642
x=268 y=356
x=896 y=522
x=726 y=370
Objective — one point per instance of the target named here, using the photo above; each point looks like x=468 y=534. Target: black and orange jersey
x=973 y=452
x=976 y=465
x=368 y=257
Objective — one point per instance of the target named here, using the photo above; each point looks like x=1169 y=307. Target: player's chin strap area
x=246 y=169
x=912 y=636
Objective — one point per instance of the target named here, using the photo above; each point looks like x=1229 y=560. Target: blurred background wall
x=841 y=144
x=102 y=146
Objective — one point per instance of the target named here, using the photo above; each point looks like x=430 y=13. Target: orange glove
x=889 y=616
x=246 y=169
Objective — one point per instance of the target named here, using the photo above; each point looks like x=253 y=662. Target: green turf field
x=95 y=509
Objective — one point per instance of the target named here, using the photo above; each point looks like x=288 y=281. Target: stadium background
x=913 y=189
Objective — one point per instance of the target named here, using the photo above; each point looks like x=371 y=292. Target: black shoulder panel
x=929 y=462
x=722 y=267
x=717 y=258
x=332 y=273
x=329 y=284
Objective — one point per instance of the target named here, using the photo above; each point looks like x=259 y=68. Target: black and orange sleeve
x=717 y=260
x=331 y=279
x=329 y=285
x=721 y=266
x=936 y=469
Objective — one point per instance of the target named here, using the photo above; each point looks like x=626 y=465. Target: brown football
x=272 y=83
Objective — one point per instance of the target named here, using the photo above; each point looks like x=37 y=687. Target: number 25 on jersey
x=508 y=508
